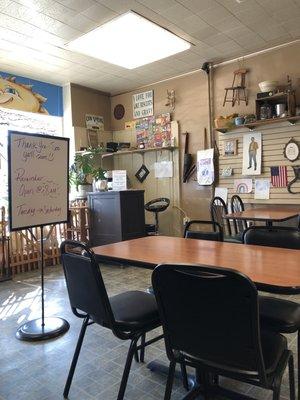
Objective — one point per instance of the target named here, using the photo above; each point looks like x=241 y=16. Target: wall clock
x=119 y=111
x=291 y=150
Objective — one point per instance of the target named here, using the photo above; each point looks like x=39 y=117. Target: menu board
x=38 y=179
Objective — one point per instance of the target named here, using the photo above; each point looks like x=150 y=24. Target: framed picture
x=142 y=173
x=230 y=147
x=92 y=138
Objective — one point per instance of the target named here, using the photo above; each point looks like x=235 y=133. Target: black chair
x=156 y=206
x=237 y=205
x=218 y=209
x=278 y=314
x=128 y=315
x=210 y=320
x=215 y=234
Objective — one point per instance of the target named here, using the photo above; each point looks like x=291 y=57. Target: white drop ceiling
x=33 y=34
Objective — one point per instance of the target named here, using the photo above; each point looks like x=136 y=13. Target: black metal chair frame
x=218 y=209
x=208 y=366
x=237 y=205
x=158 y=209
x=107 y=319
x=216 y=235
x=290 y=244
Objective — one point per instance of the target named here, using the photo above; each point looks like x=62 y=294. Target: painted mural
x=24 y=94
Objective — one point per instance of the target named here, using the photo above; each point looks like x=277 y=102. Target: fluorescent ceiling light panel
x=129 y=41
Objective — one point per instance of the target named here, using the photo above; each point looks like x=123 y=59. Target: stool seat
x=156 y=206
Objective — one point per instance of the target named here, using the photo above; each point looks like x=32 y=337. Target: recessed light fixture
x=129 y=41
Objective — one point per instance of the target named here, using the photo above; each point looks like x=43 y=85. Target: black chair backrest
x=86 y=289
x=210 y=314
x=157 y=205
x=274 y=236
x=215 y=234
x=237 y=205
x=218 y=209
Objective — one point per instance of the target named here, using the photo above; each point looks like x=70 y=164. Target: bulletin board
x=154 y=131
x=38 y=168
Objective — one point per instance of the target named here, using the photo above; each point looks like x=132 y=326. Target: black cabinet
x=116 y=216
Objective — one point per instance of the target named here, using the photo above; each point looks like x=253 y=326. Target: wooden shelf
x=252 y=125
x=124 y=152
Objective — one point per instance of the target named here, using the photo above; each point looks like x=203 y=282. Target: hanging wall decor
x=291 y=150
x=296 y=169
x=252 y=145
x=142 y=173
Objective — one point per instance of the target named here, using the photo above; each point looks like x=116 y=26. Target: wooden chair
x=238 y=88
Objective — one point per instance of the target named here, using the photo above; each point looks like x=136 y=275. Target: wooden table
x=268 y=215
x=272 y=269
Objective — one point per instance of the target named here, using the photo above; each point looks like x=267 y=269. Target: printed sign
x=119 y=180
x=94 y=122
x=205 y=167
x=142 y=104
x=38 y=179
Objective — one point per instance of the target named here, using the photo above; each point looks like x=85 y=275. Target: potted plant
x=84 y=169
x=99 y=179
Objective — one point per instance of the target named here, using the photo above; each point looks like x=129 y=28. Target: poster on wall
x=262 y=189
x=242 y=186
x=205 y=167
x=94 y=122
x=154 y=131
x=142 y=104
x=252 y=154
x=38 y=167
x=25 y=94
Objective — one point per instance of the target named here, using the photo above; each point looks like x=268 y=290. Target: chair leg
x=170 y=380
x=75 y=356
x=130 y=354
x=298 y=361
x=136 y=356
x=142 y=353
x=276 y=388
x=184 y=375
x=292 y=379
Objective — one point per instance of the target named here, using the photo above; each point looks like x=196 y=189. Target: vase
x=83 y=190
x=100 y=185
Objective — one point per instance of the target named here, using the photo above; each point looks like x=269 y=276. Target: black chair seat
x=273 y=346
x=135 y=310
x=233 y=239
x=279 y=315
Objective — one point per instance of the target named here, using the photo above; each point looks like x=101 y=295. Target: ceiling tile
x=77 y=5
x=34 y=33
x=99 y=13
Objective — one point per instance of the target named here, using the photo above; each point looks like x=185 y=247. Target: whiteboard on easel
x=38 y=167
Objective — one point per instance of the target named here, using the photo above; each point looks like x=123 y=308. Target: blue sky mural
x=27 y=94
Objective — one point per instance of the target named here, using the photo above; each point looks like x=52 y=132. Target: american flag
x=279 y=176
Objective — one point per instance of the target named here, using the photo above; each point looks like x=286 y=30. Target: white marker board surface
x=38 y=179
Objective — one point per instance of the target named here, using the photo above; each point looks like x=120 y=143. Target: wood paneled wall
x=273 y=65
x=274 y=138
x=169 y=220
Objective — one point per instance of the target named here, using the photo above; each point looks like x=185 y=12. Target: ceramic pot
x=239 y=121
x=83 y=190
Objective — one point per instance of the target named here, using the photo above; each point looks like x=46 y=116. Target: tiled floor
x=37 y=371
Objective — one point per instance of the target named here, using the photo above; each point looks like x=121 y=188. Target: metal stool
x=156 y=206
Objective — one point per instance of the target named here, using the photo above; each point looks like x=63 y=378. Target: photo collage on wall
x=154 y=131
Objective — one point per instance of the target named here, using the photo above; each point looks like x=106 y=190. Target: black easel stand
x=42 y=328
